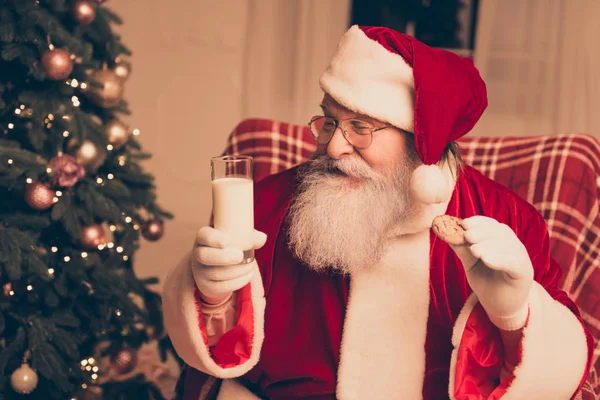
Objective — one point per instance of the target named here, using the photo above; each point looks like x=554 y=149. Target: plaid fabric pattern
x=275 y=146
x=558 y=174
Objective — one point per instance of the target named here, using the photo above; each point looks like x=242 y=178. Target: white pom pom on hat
x=394 y=78
x=429 y=185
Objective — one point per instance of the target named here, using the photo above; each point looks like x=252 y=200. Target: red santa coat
x=391 y=333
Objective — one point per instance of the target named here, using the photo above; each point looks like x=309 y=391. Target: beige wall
x=541 y=72
x=185 y=94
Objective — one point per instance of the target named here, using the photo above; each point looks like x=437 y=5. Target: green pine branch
x=18 y=256
x=21 y=159
x=64 y=298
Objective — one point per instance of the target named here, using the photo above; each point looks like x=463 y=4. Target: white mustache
x=351 y=166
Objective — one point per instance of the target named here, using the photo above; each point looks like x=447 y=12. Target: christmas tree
x=74 y=203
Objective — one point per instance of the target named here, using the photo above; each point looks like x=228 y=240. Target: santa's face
x=349 y=199
x=390 y=146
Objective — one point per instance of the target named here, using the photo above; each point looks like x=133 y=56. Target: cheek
x=321 y=149
x=385 y=157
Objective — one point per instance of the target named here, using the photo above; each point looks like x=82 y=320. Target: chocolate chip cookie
x=449 y=229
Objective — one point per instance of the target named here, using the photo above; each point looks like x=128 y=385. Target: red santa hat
x=433 y=93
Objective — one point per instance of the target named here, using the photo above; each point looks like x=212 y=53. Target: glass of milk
x=233 y=201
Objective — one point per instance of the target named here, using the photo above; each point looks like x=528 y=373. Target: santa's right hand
x=217 y=267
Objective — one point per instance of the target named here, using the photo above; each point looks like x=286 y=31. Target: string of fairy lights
x=84 y=254
x=23 y=111
x=81 y=157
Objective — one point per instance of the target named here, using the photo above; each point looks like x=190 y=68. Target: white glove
x=498 y=269
x=216 y=268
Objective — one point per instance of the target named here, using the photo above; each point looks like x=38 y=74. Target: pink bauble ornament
x=84 y=12
x=66 y=170
x=92 y=236
x=153 y=230
x=39 y=196
x=57 y=64
x=124 y=360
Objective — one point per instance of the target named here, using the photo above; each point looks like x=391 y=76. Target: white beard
x=344 y=210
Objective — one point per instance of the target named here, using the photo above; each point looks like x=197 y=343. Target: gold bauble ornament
x=24 y=380
x=57 y=64
x=117 y=133
x=87 y=154
x=84 y=12
x=122 y=69
x=111 y=89
x=92 y=236
x=39 y=196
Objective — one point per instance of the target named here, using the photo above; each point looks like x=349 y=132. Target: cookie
x=449 y=229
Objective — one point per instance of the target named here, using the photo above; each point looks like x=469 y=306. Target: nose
x=338 y=146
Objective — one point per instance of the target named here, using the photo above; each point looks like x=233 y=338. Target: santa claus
x=352 y=295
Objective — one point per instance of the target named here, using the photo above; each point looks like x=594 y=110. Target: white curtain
x=540 y=60
x=289 y=44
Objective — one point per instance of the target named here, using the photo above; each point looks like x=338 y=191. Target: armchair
x=558 y=174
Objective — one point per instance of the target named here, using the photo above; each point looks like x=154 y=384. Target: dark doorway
x=438 y=23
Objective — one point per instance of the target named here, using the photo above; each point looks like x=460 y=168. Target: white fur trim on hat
x=365 y=77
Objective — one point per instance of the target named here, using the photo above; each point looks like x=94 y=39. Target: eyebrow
x=324 y=109
x=362 y=117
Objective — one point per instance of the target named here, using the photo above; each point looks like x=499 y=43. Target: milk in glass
x=233 y=212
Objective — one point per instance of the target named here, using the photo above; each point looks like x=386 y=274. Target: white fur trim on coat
x=365 y=77
x=231 y=389
x=383 y=344
x=554 y=350
x=182 y=322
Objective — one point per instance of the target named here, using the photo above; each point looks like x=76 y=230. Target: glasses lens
x=359 y=133
x=322 y=128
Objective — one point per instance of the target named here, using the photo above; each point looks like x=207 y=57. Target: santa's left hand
x=498 y=269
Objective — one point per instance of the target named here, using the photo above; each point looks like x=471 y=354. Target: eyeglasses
x=358 y=133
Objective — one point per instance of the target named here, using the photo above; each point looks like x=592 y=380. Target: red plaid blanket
x=558 y=174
